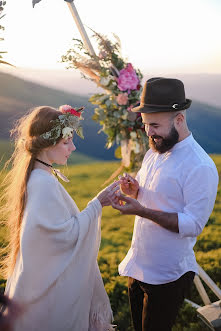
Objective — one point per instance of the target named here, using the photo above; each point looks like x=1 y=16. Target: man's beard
x=166 y=143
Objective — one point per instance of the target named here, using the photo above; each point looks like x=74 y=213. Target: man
x=173 y=196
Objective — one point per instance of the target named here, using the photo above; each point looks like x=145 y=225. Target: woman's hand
x=109 y=194
x=127 y=205
x=129 y=185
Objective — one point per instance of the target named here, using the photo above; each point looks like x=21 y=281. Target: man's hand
x=131 y=206
x=168 y=221
x=129 y=185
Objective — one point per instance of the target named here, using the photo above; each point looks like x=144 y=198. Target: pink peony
x=128 y=79
x=122 y=99
x=68 y=109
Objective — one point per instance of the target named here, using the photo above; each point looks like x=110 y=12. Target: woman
x=52 y=263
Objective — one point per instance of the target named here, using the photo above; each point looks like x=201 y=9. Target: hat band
x=175 y=106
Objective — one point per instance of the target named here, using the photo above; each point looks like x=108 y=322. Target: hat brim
x=158 y=109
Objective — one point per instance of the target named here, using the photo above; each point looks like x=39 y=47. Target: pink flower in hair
x=68 y=109
x=128 y=79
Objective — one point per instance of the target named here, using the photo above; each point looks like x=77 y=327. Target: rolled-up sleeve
x=199 y=194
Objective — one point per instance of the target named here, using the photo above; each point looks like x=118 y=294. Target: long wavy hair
x=28 y=144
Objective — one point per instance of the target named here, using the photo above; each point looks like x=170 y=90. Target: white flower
x=135 y=147
x=124 y=116
x=46 y=135
x=105 y=80
x=133 y=135
x=117 y=138
x=67 y=132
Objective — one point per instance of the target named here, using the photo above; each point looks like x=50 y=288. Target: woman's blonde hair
x=28 y=144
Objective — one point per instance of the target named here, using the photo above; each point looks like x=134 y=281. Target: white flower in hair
x=65 y=124
x=67 y=132
x=133 y=135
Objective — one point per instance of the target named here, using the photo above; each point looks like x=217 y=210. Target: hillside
x=18 y=95
x=203 y=87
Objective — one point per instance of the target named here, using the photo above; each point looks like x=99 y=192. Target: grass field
x=85 y=182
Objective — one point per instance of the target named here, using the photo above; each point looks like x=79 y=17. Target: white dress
x=56 y=276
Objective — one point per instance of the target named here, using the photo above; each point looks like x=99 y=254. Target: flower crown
x=65 y=124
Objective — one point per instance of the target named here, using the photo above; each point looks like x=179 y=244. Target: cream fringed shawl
x=56 y=275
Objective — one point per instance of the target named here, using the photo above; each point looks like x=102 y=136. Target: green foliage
x=64 y=124
x=187 y=320
x=113 y=111
x=2 y=4
x=85 y=182
x=117 y=153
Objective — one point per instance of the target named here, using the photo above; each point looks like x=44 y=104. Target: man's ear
x=179 y=119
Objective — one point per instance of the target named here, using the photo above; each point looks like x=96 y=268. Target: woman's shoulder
x=42 y=186
x=40 y=177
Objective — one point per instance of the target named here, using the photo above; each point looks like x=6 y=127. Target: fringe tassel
x=98 y=320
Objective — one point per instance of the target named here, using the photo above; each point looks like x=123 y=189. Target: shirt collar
x=183 y=142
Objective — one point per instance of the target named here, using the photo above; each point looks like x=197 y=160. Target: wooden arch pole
x=80 y=26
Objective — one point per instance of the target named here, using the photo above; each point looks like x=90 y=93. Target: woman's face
x=60 y=153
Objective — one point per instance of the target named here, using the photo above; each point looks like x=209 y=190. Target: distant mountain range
x=17 y=96
x=201 y=87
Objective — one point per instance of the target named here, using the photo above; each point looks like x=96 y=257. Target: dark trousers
x=155 y=307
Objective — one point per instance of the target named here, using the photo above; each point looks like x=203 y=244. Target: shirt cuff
x=97 y=204
x=187 y=226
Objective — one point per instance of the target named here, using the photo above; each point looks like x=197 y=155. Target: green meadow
x=86 y=181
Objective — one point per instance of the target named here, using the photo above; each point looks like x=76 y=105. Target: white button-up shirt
x=183 y=180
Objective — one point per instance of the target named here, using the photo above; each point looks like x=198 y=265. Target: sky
x=156 y=35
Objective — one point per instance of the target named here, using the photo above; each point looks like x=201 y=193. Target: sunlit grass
x=86 y=181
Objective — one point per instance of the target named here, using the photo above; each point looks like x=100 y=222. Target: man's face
x=161 y=131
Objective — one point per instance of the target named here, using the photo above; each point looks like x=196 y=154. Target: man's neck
x=186 y=133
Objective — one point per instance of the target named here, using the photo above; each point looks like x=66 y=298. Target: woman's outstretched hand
x=108 y=195
x=129 y=185
x=126 y=205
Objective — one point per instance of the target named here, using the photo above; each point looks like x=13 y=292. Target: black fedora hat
x=162 y=95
